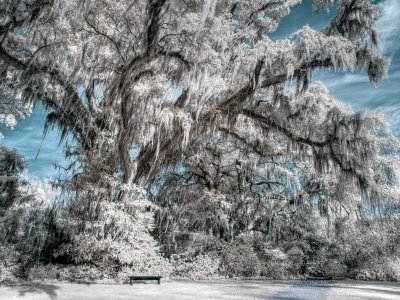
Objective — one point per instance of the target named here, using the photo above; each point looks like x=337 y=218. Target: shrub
x=115 y=235
x=327 y=262
x=380 y=269
x=26 y=227
x=275 y=264
x=8 y=265
x=198 y=268
x=56 y=272
x=239 y=260
x=295 y=256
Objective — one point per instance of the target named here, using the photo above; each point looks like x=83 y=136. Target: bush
x=387 y=269
x=114 y=236
x=295 y=256
x=198 y=268
x=56 y=272
x=27 y=225
x=239 y=260
x=327 y=262
x=9 y=267
x=276 y=264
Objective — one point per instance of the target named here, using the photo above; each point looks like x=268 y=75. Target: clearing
x=221 y=289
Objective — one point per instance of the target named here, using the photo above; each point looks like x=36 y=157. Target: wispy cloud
x=388 y=25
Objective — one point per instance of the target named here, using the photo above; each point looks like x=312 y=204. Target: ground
x=221 y=289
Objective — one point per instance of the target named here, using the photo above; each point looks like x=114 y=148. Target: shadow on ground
x=50 y=290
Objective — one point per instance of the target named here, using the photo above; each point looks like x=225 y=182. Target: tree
x=11 y=165
x=242 y=183
x=27 y=232
x=107 y=70
x=144 y=87
x=12 y=106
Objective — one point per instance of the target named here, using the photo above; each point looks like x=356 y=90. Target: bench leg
x=158 y=281
x=130 y=281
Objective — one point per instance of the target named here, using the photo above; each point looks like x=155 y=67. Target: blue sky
x=41 y=153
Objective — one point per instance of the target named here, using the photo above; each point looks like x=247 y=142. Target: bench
x=132 y=278
x=307 y=277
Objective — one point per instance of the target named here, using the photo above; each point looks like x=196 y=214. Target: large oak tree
x=137 y=83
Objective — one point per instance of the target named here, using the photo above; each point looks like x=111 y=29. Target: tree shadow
x=380 y=291
x=48 y=289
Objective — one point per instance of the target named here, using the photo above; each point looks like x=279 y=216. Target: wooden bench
x=132 y=278
x=307 y=277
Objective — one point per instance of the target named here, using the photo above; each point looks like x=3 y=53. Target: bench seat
x=132 y=278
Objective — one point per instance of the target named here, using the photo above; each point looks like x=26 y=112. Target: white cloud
x=347 y=79
x=388 y=25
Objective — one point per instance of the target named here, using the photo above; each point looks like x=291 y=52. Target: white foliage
x=117 y=236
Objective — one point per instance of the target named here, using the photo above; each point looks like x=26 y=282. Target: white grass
x=222 y=289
